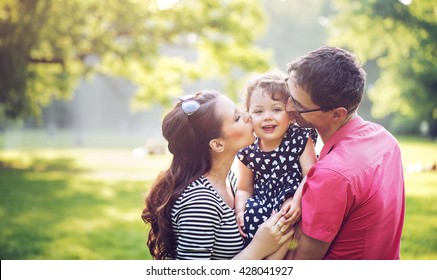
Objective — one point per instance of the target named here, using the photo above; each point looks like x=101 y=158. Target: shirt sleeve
x=324 y=203
x=313 y=134
x=197 y=225
x=247 y=157
x=299 y=136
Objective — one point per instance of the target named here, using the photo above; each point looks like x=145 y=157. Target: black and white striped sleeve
x=197 y=219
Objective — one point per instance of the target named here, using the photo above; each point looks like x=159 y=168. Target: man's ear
x=217 y=145
x=339 y=113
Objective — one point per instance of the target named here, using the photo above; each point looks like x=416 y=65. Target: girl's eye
x=237 y=118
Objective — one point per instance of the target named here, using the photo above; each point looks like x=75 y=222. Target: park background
x=85 y=84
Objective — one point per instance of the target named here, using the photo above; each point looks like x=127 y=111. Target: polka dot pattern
x=277 y=175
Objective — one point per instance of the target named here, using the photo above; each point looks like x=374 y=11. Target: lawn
x=85 y=203
x=419 y=239
x=74 y=203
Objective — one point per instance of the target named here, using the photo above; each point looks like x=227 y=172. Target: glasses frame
x=300 y=112
x=189 y=104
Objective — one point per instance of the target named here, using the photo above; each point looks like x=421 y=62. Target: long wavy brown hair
x=188 y=139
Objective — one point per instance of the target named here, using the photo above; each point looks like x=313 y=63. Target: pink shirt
x=354 y=195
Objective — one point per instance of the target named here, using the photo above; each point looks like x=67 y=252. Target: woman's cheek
x=239 y=134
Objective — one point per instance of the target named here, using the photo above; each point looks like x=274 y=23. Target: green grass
x=86 y=203
x=419 y=239
x=74 y=204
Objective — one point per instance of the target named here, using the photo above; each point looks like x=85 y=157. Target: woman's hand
x=271 y=235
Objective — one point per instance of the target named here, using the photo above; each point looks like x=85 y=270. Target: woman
x=190 y=206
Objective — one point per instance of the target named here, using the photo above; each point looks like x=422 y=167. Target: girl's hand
x=291 y=210
x=240 y=223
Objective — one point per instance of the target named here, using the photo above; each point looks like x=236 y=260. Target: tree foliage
x=401 y=36
x=46 y=46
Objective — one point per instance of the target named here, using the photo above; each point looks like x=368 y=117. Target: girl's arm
x=306 y=160
x=244 y=192
x=291 y=208
x=308 y=157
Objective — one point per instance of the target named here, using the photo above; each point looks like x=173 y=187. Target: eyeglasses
x=297 y=106
x=189 y=104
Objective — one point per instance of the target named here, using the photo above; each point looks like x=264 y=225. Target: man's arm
x=307 y=248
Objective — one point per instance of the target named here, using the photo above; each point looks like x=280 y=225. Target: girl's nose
x=267 y=115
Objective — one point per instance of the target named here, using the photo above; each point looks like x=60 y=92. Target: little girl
x=271 y=169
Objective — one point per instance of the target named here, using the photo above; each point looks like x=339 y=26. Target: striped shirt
x=204 y=225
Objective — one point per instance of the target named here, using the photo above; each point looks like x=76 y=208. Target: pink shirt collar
x=340 y=134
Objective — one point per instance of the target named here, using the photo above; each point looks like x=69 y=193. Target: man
x=354 y=199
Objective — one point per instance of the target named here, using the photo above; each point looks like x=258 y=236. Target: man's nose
x=289 y=107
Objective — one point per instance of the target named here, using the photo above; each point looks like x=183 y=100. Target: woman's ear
x=217 y=145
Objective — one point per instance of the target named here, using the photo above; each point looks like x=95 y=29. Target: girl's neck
x=268 y=146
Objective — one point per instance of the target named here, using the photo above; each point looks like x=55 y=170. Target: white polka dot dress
x=277 y=175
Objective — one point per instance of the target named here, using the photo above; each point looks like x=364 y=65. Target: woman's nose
x=246 y=117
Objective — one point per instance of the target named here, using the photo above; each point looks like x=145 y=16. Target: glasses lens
x=295 y=105
x=291 y=96
x=190 y=107
x=189 y=104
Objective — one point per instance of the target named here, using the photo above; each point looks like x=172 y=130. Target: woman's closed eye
x=239 y=115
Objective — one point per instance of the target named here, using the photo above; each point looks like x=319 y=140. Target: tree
x=401 y=36
x=161 y=46
x=294 y=28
